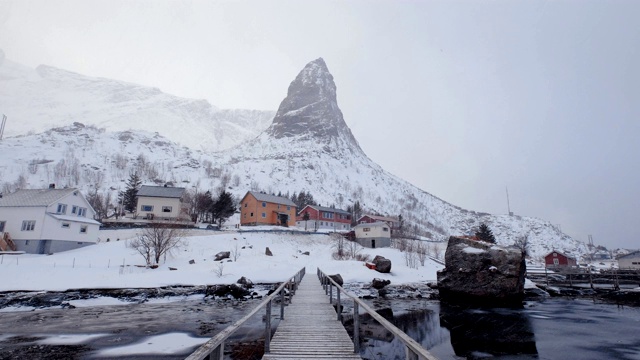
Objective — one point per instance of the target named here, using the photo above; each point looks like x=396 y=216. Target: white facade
x=629 y=261
x=46 y=221
x=373 y=235
x=312 y=225
x=159 y=207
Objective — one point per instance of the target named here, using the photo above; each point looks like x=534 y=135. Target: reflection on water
x=554 y=329
x=499 y=331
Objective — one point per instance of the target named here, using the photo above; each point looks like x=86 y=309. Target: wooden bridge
x=310 y=329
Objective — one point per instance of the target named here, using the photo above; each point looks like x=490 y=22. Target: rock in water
x=337 y=278
x=268 y=252
x=477 y=273
x=379 y=283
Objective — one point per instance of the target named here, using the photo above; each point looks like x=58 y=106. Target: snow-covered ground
x=101 y=265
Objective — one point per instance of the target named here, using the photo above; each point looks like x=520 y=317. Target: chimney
x=52 y=186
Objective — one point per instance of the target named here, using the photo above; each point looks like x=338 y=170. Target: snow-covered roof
x=380 y=218
x=375 y=224
x=160 y=191
x=71 y=218
x=634 y=254
x=34 y=197
x=323 y=208
x=271 y=198
x=558 y=252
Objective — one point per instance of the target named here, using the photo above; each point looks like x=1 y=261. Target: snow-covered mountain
x=308 y=146
x=38 y=99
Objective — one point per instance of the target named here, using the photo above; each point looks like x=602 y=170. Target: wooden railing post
x=330 y=293
x=282 y=304
x=356 y=329
x=267 y=330
x=410 y=355
x=217 y=353
x=338 y=309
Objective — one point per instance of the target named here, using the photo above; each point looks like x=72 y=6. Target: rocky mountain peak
x=310 y=110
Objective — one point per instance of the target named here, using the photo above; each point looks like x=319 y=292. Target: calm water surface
x=551 y=329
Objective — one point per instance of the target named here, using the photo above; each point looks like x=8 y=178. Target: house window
x=2 y=226
x=66 y=225
x=251 y=214
x=28 y=225
x=264 y=204
x=62 y=209
x=327 y=215
x=385 y=229
x=245 y=215
x=82 y=212
x=83 y=229
x=366 y=229
x=80 y=242
x=74 y=209
x=288 y=208
x=166 y=209
x=264 y=215
x=146 y=207
x=245 y=204
x=554 y=254
x=556 y=262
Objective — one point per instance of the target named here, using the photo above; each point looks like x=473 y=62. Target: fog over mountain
x=91 y=133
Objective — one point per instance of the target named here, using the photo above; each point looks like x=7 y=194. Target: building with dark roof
x=263 y=209
x=326 y=218
x=159 y=202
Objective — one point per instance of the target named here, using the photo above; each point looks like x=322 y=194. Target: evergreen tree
x=485 y=234
x=356 y=213
x=305 y=217
x=223 y=208
x=128 y=197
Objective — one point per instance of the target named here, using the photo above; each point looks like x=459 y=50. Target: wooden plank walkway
x=310 y=329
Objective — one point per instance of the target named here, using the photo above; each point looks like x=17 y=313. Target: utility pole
x=508 y=205
x=2 y=125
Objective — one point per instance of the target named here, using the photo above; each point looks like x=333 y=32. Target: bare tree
x=235 y=252
x=156 y=241
x=338 y=243
x=421 y=250
x=522 y=243
x=219 y=270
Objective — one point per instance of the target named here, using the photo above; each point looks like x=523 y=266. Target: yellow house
x=264 y=209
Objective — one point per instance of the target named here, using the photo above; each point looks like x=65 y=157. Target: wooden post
x=410 y=355
x=545 y=275
x=282 y=304
x=356 y=328
x=330 y=293
x=338 y=309
x=217 y=353
x=590 y=278
x=267 y=330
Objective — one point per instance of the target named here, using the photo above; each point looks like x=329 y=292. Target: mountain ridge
x=321 y=158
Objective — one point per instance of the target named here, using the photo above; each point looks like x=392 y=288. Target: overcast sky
x=459 y=98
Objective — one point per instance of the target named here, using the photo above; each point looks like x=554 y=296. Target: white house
x=47 y=221
x=160 y=202
x=373 y=235
x=629 y=261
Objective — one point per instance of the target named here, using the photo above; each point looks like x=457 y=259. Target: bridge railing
x=214 y=348
x=414 y=350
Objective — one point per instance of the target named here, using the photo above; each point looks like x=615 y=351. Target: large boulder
x=337 y=278
x=383 y=264
x=268 y=252
x=246 y=283
x=479 y=273
x=222 y=255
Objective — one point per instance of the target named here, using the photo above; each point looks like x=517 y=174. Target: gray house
x=373 y=235
x=629 y=261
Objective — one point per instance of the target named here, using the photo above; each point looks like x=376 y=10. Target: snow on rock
x=472 y=250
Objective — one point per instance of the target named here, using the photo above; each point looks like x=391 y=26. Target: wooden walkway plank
x=310 y=329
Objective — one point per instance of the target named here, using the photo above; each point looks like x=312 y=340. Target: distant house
x=324 y=218
x=373 y=235
x=556 y=258
x=263 y=209
x=629 y=261
x=46 y=221
x=394 y=223
x=159 y=202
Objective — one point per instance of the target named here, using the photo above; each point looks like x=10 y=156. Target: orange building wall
x=250 y=205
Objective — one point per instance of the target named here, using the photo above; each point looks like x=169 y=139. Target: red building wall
x=562 y=259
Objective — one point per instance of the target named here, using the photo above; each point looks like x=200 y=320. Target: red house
x=394 y=223
x=324 y=218
x=556 y=258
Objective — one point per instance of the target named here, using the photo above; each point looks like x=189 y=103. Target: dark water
x=552 y=329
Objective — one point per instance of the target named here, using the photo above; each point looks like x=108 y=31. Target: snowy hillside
x=37 y=100
x=307 y=147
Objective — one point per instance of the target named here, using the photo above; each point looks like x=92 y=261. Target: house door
x=41 y=246
x=373 y=243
